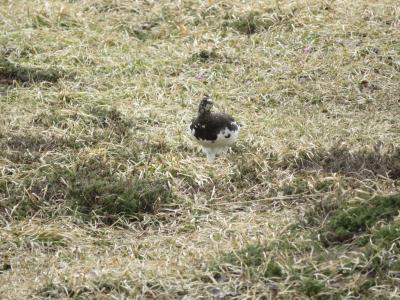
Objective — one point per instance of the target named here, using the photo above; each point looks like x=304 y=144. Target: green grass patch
x=96 y=188
x=352 y=219
x=248 y=24
x=302 y=262
x=255 y=22
x=273 y=270
x=92 y=188
x=385 y=236
x=250 y=256
x=382 y=250
x=311 y=286
x=258 y=261
x=112 y=197
x=295 y=187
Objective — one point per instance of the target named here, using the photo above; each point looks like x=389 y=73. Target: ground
x=104 y=196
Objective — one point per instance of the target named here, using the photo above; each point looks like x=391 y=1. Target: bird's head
x=205 y=105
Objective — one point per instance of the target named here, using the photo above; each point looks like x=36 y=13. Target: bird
x=214 y=131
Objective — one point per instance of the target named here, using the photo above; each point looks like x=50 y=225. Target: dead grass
x=102 y=195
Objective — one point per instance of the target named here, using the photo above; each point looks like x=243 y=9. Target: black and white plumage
x=215 y=132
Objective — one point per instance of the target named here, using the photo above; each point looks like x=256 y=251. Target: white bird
x=215 y=132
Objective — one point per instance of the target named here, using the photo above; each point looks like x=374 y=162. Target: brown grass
x=95 y=98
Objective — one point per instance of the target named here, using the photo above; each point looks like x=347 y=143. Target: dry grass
x=103 y=196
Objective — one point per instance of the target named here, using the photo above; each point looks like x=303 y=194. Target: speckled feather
x=207 y=126
x=215 y=132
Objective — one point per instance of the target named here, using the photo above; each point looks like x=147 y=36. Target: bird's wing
x=223 y=120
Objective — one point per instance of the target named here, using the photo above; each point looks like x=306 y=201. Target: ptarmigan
x=215 y=132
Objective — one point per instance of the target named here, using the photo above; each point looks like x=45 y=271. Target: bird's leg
x=210 y=156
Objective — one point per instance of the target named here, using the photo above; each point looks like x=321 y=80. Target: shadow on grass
x=31 y=143
x=361 y=163
x=30 y=148
x=99 y=117
x=12 y=72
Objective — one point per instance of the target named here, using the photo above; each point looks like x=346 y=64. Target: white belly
x=225 y=138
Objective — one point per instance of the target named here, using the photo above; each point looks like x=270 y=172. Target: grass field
x=104 y=196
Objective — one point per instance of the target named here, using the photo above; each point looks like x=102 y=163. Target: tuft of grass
x=55 y=291
x=50 y=237
x=95 y=188
x=247 y=172
x=350 y=220
x=5 y=267
x=105 y=286
x=311 y=286
x=248 y=24
x=63 y=21
x=251 y=256
x=297 y=186
x=386 y=236
x=253 y=22
x=205 y=55
x=380 y=253
x=112 y=197
x=143 y=32
x=112 y=118
x=273 y=270
x=320 y=210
